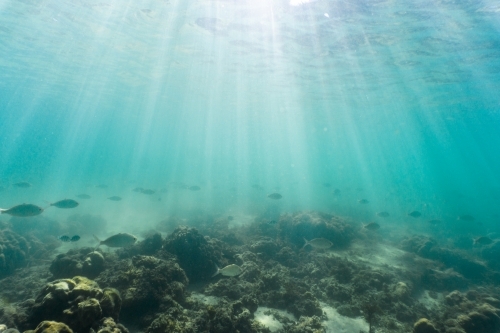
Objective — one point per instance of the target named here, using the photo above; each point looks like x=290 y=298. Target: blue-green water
x=392 y=102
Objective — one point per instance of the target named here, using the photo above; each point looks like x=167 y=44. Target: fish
x=22 y=184
x=102 y=186
x=318 y=243
x=372 y=226
x=65 y=203
x=194 y=188
x=415 y=214
x=229 y=270
x=115 y=198
x=468 y=218
x=275 y=196
x=64 y=238
x=23 y=210
x=230 y=218
x=147 y=191
x=75 y=238
x=83 y=196
x=434 y=222
x=363 y=201
x=383 y=214
x=483 y=240
x=336 y=192
x=118 y=240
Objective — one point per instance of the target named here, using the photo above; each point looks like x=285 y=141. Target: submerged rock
x=423 y=325
x=75 y=302
x=52 y=327
x=145 y=283
x=80 y=262
x=312 y=225
x=485 y=319
x=196 y=256
x=13 y=252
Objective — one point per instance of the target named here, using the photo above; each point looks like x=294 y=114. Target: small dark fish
x=336 y=192
x=468 y=218
x=483 y=240
x=83 y=196
x=66 y=203
x=383 y=214
x=363 y=201
x=415 y=214
x=372 y=226
x=23 y=210
x=230 y=218
x=102 y=186
x=138 y=189
x=148 y=191
x=434 y=222
x=64 y=238
x=275 y=196
x=194 y=188
x=115 y=198
x=22 y=184
x=75 y=238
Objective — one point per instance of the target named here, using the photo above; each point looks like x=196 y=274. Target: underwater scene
x=249 y=166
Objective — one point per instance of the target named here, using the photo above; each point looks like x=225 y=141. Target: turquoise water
x=392 y=102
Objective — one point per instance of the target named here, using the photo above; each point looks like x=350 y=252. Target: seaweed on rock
x=78 y=303
x=196 y=255
x=145 y=283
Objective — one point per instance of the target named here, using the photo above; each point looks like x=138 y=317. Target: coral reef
x=52 y=327
x=416 y=285
x=423 y=325
x=78 y=303
x=196 y=255
x=295 y=227
x=145 y=283
x=14 y=251
x=78 y=262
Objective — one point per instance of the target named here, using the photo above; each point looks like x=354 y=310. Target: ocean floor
x=164 y=283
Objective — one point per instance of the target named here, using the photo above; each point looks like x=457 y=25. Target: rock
x=196 y=256
x=143 y=283
x=484 y=320
x=108 y=325
x=423 y=325
x=88 y=312
x=75 y=302
x=400 y=291
x=492 y=301
x=311 y=225
x=11 y=330
x=111 y=303
x=454 y=298
x=13 y=252
x=3 y=327
x=265 y=246
x=52 y=327
x=80 y=262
